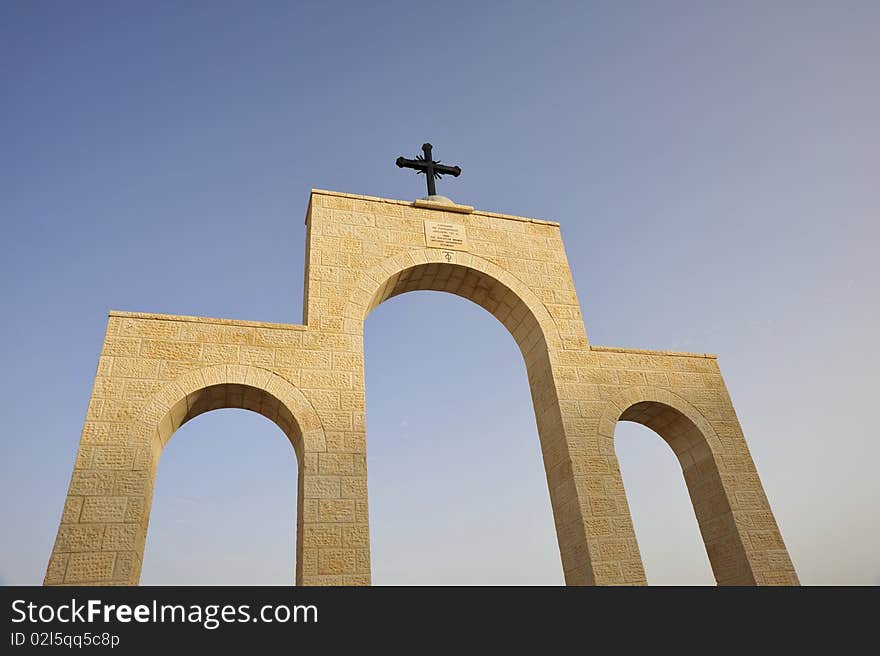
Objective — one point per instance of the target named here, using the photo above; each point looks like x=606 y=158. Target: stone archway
x=696 y=445
x=526 y=318
x=156 y=371
x=115 y=524
x=476 y=279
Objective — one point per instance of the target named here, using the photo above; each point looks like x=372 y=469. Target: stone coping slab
x=467 y=209
x=190 y=319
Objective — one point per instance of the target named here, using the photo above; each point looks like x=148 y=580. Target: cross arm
x=411 y=163
x=454 y=171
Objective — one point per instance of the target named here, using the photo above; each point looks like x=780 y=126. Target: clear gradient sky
x=715 y=167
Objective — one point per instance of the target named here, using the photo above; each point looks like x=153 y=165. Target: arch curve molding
x=380 y=282
x=621 y=402
x=229 y=386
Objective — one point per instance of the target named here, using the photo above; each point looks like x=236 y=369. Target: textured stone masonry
x=157 y=372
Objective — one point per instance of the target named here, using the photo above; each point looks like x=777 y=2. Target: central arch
x=478 y=280
x=528 y=321
x=475 y=278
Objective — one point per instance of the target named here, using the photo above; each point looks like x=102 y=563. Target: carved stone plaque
x=445 y=235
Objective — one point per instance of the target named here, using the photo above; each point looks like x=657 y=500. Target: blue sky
x=714 y=168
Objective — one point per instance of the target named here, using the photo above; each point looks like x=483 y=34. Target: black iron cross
x=432 y=170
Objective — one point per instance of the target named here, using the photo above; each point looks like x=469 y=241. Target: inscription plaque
x=445 y=235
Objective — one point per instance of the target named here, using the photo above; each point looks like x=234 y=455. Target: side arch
x=210 y=388
x=673 y=418
x=697 y=447
x=228 y=386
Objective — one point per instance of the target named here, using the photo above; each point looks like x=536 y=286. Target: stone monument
x=157 y=371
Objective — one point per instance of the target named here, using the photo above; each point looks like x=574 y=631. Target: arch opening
x=454 y=454
x=524 y=317
x=690 y=438
x=519 y=311
x=224 y=510
x=222 y=387
x=679 y=432
x=670 y=544
x=483 y=289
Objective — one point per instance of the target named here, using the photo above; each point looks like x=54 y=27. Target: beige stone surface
x=157 y=372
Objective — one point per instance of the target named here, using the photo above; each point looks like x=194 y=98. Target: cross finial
x=433 y=170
